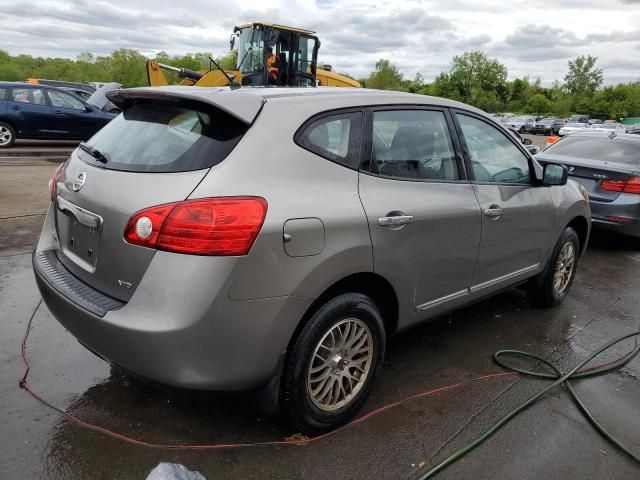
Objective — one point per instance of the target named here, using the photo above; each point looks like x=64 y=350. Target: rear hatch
x=592 y=160
x=157 y=151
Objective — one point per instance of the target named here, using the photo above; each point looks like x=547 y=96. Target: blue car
x=29 y=111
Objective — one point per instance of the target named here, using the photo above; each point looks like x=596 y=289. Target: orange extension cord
x=224 y=446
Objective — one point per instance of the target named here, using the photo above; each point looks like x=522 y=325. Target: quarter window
x=3 y=93
x=335 y=137
x=494 y=158
x=412 y=144
x=29 y=95
x=64 y=100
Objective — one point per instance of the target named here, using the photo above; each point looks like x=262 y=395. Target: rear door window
x=163 y=137
x=413 y=145
x=3 y=93
x=64 y=100
x=336 y=137
x=34 y=96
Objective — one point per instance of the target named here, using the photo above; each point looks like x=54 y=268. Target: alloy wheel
x=564 y=267
x=340 y=365
x=5 y=135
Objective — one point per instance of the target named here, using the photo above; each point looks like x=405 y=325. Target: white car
x=572 y=128
x=607 y=127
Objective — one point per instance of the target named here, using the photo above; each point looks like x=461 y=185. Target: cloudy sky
x=418 y=36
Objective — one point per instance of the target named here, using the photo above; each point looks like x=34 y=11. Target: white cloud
x=416 y=35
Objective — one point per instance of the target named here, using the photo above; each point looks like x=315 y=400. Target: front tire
x=331 y=366
x=551 y=287
x=7 y=135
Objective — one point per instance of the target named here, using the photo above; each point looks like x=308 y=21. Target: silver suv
x=274 y=239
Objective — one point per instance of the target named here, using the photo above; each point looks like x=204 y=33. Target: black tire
x=7 y=130
x=542 y=288
x=297 y=403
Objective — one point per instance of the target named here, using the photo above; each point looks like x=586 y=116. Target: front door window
x=494 y=158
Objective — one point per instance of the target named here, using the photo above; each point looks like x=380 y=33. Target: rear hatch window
x=165 y=137
x=598 y=148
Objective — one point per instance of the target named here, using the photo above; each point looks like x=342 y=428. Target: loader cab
x=296 y=52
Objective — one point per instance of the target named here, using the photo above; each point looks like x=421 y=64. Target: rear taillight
x=53 y=183
x=630 y=185
x=209 y=226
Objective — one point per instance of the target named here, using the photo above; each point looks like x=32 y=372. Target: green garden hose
x=559 y=378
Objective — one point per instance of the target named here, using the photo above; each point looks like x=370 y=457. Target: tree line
x=473 y=78
x=478 y=80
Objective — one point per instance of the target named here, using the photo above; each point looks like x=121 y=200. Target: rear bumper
x=179 y=327
x=632 y=228
x=627 y=210
x=233 y=346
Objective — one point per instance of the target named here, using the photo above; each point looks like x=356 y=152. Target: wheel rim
x=5 y=135
x=564 y=267
x=340 y=365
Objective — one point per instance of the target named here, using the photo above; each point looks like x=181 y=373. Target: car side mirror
x=527 y=141
x=88 y=108
x=554 y=174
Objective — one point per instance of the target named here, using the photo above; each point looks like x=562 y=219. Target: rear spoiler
x=243 y=106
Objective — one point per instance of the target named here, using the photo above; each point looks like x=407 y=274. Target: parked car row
x=37 y=111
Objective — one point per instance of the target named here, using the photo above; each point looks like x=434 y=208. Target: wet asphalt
x=550 y=440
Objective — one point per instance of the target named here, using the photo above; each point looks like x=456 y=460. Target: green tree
x=583 y=77
x=127 y=67
x=385 y=77
x=86 y=57
x=539 y=104
x=474 y=74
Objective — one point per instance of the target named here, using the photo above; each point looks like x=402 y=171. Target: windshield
x=546 y=121
x=251 y=51
x=600 y=148
x=162 y=137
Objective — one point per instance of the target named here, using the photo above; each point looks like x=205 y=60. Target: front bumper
x=179 y=327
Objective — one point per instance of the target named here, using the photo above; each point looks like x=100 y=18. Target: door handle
x=58 y=112
x=15 y=107
x=395 y=220
x=493 y=212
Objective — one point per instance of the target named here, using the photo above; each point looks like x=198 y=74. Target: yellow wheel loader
x=268 y=55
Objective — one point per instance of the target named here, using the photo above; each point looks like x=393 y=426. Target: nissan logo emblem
x=78 y=183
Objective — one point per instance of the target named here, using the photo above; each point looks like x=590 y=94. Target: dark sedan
x=547 y=126
x=608 y=166
x=40 y=112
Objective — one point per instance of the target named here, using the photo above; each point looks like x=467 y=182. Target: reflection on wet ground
x=549 y=440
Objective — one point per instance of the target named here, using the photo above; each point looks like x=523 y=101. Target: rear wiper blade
x=95 y=153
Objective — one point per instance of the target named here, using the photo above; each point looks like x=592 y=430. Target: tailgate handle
x=85 y=217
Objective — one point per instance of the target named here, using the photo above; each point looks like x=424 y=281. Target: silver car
x=274 y=239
